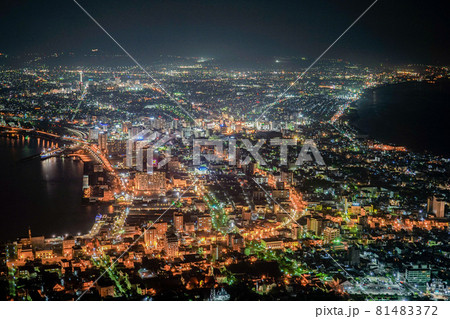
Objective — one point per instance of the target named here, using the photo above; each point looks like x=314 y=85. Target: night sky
x=397 y=31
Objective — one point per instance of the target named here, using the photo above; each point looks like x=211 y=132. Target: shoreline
x=353 y=115
x=52 y=179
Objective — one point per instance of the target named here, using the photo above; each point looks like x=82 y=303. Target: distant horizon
x=390 y=32
x=276 y=60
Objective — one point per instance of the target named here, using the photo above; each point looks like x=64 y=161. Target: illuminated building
x=151 y=237
x=85 y=181
x=103 y=142
x=161 y=228
x=436 y=206
x=154 y=183
x=93 y=134
x=315 y=225
x=25 y=253
x=274 y=244
x=126 y=127
x=287 y=177
x=171 y=245
x=178 y=221
x=44 y=254
x=204 y=223
x=418 y=274
x=280 y=194
x=68 y=244
x=235 y=241
x=105 y=288
x=356 y=209
x=117 y=147
x=330 y=234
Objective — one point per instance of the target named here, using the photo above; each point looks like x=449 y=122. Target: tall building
x=103 y=142
x=140 y=150
x=436 y=206
x=126 y=127
x=175 y=124
x=315 y=225
x=93 y=134
x=68 y=244
x=151 y=237
x=158 y=124
x=129 y=150
x=85 y=181
x=178 y=221
x=171 y=245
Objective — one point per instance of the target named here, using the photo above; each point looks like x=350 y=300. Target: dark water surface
x=45 y=195
x=415 y=115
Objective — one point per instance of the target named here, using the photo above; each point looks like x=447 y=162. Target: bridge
x=18 y=130
x=83 y=157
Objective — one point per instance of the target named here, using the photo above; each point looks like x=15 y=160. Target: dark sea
x=413 y=114
x=42 y=194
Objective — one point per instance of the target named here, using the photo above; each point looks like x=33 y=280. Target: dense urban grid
x=339 y=217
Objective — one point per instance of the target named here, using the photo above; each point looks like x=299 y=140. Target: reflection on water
x=45 y=195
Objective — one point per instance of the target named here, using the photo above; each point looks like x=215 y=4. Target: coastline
x=379 y=110
x=39 y=184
